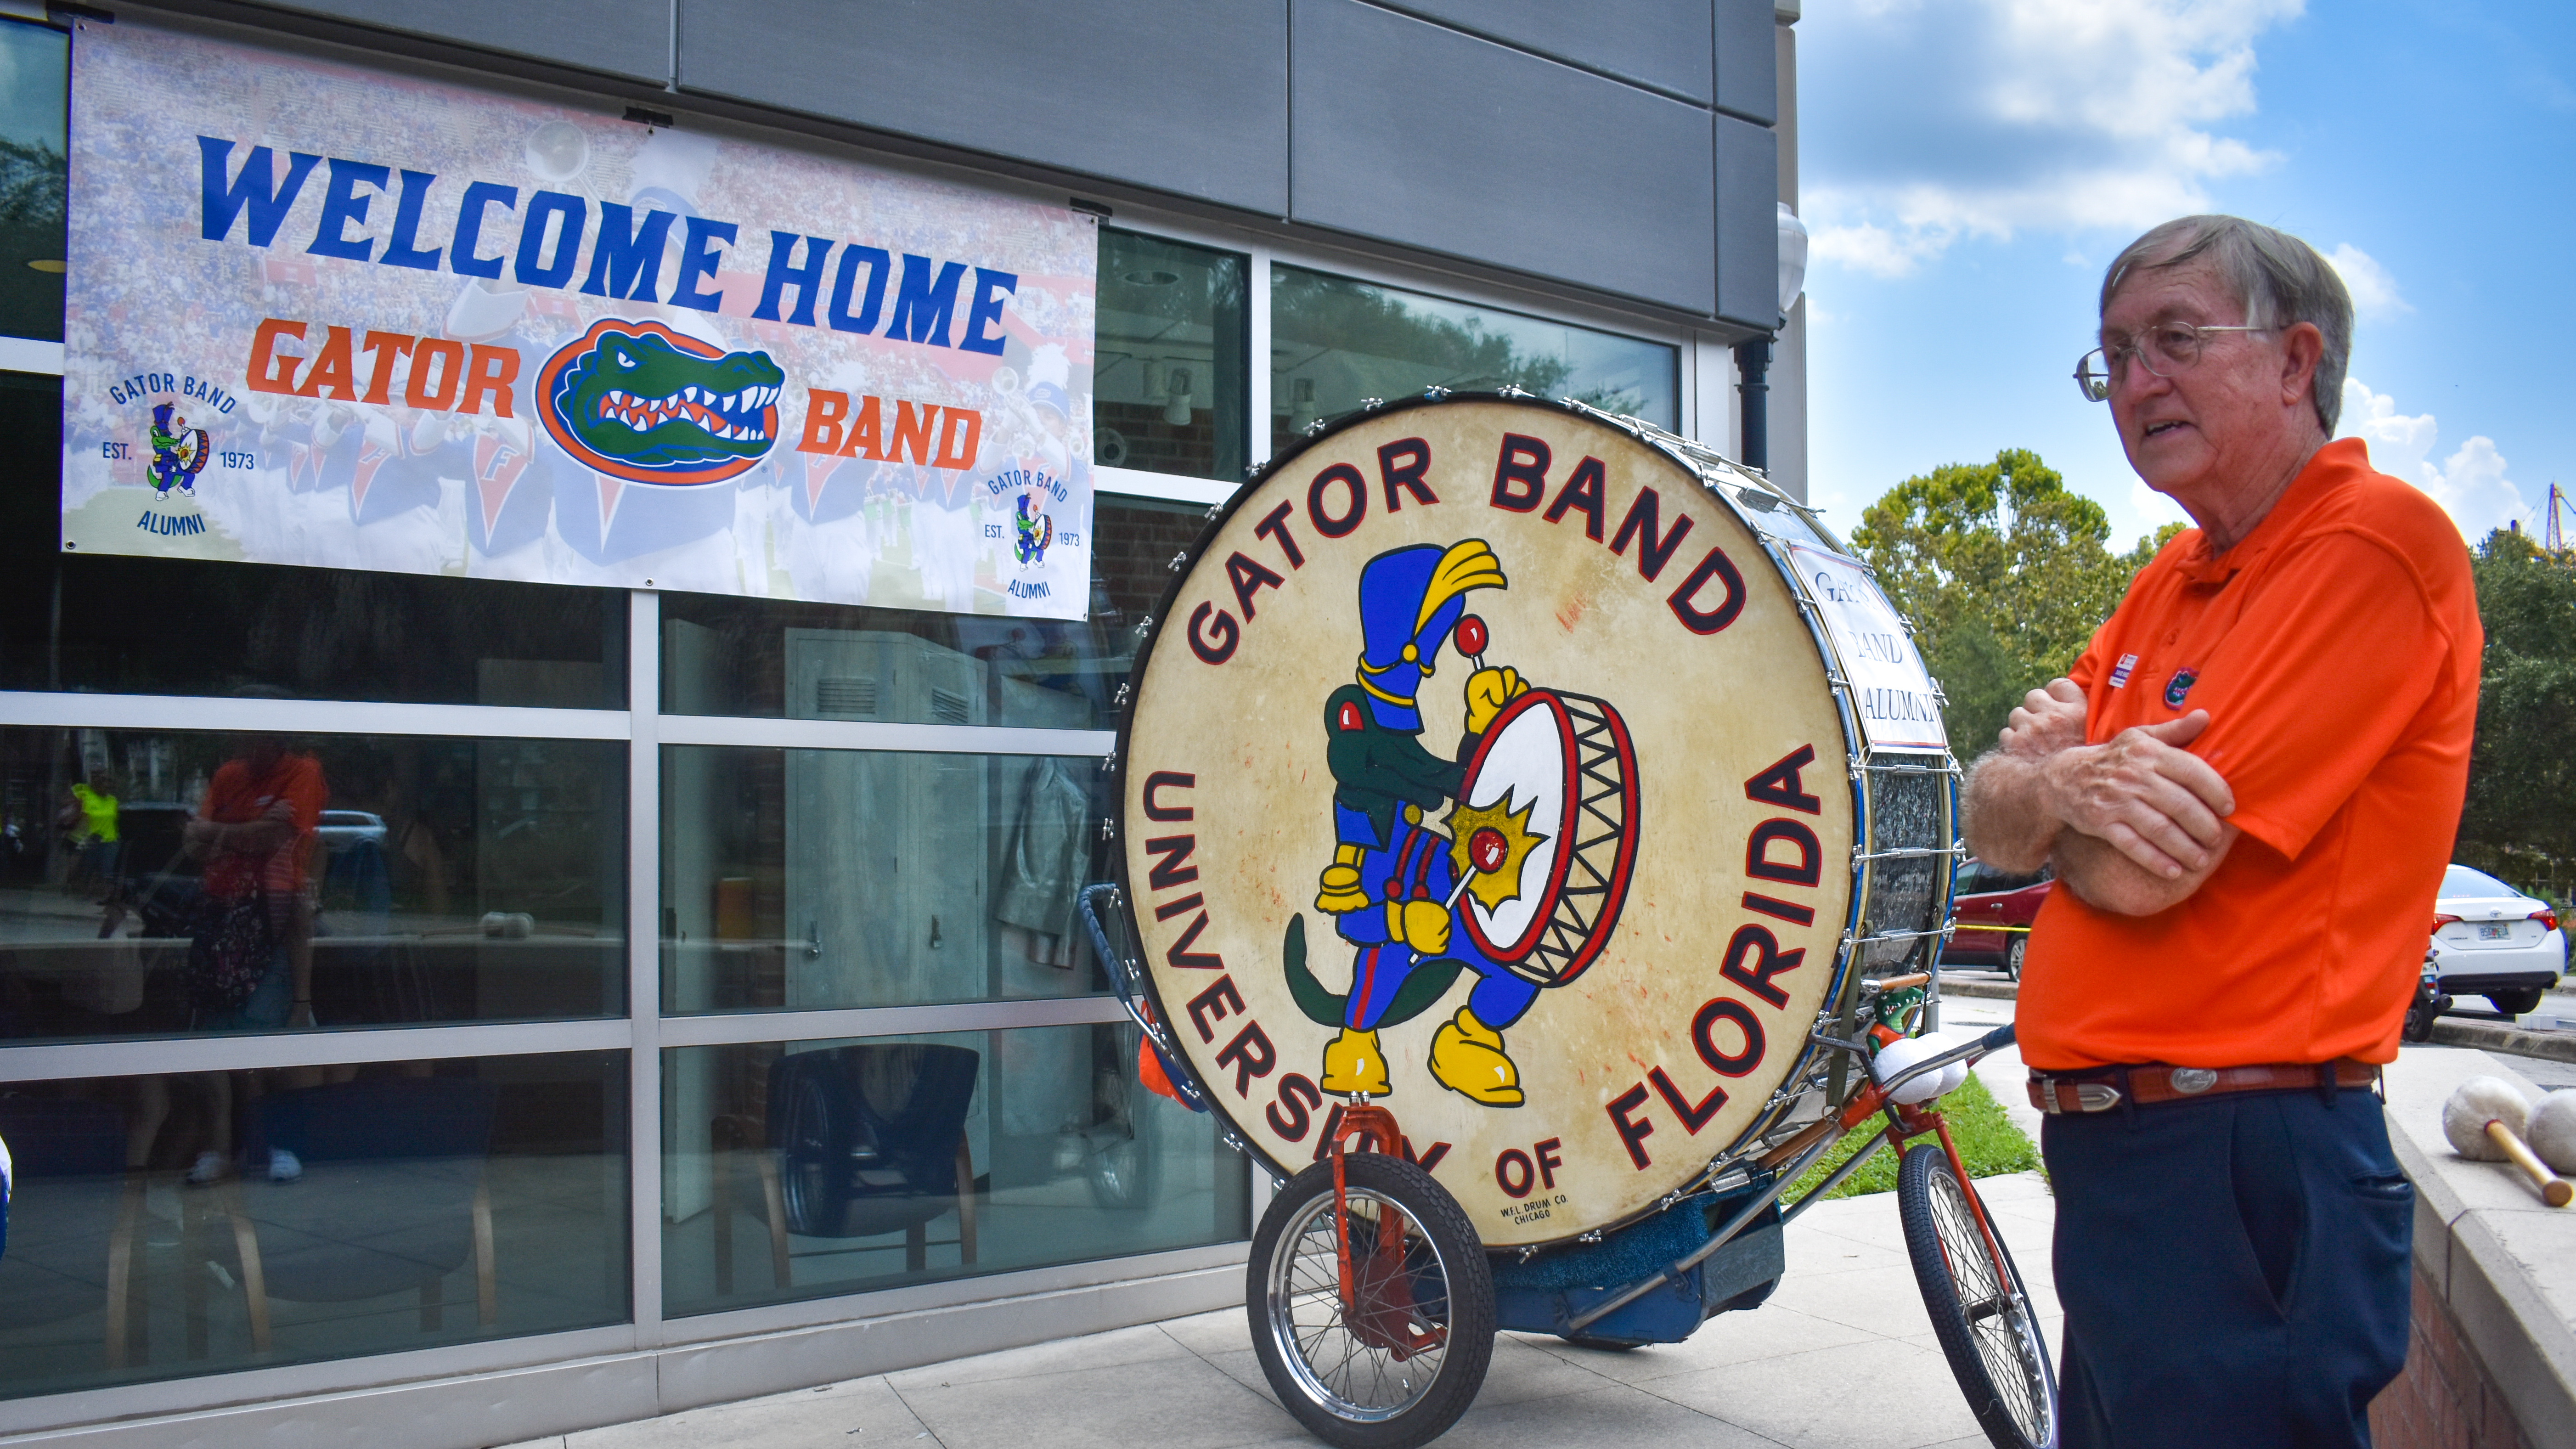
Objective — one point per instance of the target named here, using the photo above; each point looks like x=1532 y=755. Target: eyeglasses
x=2164 y=349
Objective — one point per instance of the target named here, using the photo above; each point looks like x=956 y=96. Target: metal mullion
x=1256 y=333
x=822 y=734
x=736 y=1028
x=644 y=962
x=305 y=716
x=152 y=1056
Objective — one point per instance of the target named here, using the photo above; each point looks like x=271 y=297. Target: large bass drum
x=1540 y=774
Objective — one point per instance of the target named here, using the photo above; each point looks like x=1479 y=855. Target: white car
x=341 y=829
x=2496 y=942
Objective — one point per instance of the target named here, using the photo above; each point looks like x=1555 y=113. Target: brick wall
x=2445 y=1399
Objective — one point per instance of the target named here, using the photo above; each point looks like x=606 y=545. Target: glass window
x=821 y=879
x=156 y=882
x=35 y=85
x=1335 y=342
x=734 y=656
x=197 y=1222
x=1170 y=377
x=2459 y=880
x=806 y=1169
x=171 y=626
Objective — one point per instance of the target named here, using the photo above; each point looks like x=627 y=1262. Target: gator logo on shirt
x=2179 y=686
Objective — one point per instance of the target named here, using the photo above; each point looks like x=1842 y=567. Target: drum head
x=1481 y=761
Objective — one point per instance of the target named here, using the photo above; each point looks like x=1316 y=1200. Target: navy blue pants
x=2234 y=1271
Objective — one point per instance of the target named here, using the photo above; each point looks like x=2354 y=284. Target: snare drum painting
x=1482 y=761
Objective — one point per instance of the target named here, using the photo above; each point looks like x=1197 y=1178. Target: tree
x=2003 y=573
x=2518 y=823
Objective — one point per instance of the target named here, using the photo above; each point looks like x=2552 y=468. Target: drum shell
x=1623 y=1045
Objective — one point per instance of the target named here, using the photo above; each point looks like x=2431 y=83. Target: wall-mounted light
x=1793 y=258
x=1177 y=411
x=1301 y=400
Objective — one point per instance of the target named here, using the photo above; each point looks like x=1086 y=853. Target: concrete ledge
x=2495 y=1036
x=1991 y=990
x=2501 y=1264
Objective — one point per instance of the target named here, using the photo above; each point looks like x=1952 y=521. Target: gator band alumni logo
x=641 y=402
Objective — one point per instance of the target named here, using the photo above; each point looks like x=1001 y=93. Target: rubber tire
x=1916 y=1177
x=2522 y=1002
x=2012 y=957
x=1470 y=1286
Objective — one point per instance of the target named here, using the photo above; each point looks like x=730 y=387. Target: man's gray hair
x=2280 y=280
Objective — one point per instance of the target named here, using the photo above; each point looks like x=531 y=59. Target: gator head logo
x=638 y=401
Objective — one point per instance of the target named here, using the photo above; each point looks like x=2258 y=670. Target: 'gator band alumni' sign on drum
x=1484 y=761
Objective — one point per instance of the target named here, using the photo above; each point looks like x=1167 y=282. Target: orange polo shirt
x=2336 y=648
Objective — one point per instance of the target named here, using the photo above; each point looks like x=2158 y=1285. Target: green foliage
x=2520 y=820
x=1988 y=1143
x=2004 y=575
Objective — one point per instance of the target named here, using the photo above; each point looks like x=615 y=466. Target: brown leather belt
x=2102 y=1088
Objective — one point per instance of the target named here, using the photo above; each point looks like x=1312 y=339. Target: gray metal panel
x=1748 y=224
x=1748 y=60
x=1187 y=96
x=1666 y=44
x=616 y=36
x=1421 y=136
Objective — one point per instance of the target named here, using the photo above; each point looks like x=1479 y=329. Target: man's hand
x=2133 y=825
x=2046 y=721
x=2143 y=795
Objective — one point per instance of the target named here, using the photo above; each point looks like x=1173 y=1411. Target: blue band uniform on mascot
x=1392 y=886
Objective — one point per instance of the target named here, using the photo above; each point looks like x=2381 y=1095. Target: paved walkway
x=1842 y=1355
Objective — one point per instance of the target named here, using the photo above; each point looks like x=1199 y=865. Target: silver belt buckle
x=2192 y=1081
x=2089 y=1097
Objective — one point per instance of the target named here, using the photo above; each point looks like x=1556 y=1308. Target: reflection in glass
x=816 y=879
x=159 y=882
x=180 y=626
x=1335 y=341
x=735 y=656
x=37 y=62
x=384 y=1207
x=1170 y=379
x=815 y=1168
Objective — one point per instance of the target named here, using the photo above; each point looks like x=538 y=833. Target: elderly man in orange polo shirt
x=2249 y=787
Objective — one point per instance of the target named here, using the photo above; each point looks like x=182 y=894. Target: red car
x=1992 y=911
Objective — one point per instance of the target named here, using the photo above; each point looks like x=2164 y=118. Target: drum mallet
x=2485 y=1119
x=2553 y=1130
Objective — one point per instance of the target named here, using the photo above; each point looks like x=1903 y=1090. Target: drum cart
x=1373 y=1305
x=1281 y=715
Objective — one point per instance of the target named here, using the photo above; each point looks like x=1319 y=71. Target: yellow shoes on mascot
x=1467 y=1058
x=1352 y=1063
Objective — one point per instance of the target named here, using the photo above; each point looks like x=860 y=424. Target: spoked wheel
x=1986 y=1325
x=1399 y=1365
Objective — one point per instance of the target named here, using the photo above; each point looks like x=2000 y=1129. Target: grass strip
x=1988 y=1142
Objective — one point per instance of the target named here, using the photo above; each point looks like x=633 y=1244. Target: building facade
x=679 y=997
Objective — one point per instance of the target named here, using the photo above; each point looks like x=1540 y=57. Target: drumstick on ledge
x=2484 y=1120
x=2554 y=1190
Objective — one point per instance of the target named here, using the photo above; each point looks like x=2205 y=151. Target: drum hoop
x=1150 y=632
x=1614 y=896
x=1510 y=957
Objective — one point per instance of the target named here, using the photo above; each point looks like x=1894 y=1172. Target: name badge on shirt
x=2120 y=671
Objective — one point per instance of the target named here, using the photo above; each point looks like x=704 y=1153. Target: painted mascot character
x=1392 y=888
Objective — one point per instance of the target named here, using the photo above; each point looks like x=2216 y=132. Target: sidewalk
x=1842 y=1357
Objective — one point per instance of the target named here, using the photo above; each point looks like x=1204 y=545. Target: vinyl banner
x=344 y=318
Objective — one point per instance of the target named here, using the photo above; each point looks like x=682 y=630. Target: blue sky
x=1968 y=166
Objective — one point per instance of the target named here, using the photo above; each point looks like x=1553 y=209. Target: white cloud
x=2470 y=484
x=2374 y=291
x=1927 y=123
